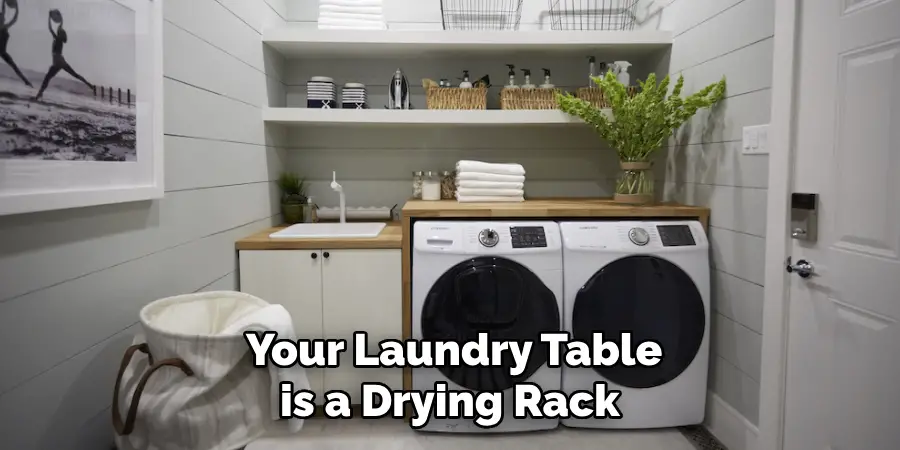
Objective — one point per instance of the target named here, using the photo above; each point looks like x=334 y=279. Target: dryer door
x=652 y=299
x=497 y=296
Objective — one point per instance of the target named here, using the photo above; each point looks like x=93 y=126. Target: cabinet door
x=361 y=292
x=293 y=279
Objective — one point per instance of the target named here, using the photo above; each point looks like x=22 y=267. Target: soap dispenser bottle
x=512 y=77
x=592 y=66
x=465 y=80
x=527 y=84
x=547 y=84
x=624 y=77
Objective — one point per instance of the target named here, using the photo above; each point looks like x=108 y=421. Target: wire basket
x=608 y=15
x=481 y=14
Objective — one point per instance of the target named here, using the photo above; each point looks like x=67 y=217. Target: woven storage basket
x=528 y=99
x=456 y=98
x=595 y=96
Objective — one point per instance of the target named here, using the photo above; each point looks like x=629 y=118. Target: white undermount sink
x=331 y=230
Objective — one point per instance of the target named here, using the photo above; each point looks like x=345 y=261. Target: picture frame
x=94 y=136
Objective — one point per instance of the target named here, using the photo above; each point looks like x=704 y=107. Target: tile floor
x=389 y=434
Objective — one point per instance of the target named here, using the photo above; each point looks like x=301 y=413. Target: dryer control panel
x=675 y=235
x=635 y=236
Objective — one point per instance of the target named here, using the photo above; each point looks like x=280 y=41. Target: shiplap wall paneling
x=705 y=166
x=72 y=282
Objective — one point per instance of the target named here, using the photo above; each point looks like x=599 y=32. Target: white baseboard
x=731 y=428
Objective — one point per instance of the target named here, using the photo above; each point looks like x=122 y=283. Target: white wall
x=706 y=167
x=72 y=282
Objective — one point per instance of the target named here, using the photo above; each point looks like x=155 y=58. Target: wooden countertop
x=391 y=237
x=549 y=207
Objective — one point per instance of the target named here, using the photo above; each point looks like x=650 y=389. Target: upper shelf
x=381 y=117
x=295 y=41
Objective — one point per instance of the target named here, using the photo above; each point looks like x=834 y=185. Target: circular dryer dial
x=488 y=237
x=639 y=236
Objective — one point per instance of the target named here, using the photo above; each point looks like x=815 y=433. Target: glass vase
x=635 y=184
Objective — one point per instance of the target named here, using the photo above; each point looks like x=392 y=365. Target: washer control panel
x=675 y=235
x=488 y=237
x=527 y=237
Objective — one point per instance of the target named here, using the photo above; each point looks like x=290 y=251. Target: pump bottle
x=527 y=84
x=512 y=77
x=547 y=84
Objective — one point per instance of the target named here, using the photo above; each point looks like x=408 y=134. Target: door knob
x=314 y=255
x=802 y=268
x=326 y=254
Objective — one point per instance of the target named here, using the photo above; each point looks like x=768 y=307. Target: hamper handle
x=125 y=428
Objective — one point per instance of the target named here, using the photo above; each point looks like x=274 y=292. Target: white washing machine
x=650 y=279
x=503 y=278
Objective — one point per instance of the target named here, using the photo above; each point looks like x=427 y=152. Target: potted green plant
x=638 y=125
x=293 y=197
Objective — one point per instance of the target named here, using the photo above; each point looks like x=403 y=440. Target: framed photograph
x=81 y=103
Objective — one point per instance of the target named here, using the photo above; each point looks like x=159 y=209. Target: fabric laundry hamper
x=188 y=382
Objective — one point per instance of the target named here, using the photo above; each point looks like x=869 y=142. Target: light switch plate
x=756 y=140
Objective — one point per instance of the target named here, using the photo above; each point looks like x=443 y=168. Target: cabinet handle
x=326 y=254
x=314 y=255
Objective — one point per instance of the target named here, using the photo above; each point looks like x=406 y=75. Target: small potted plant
x=293 y=197
x=639 y=125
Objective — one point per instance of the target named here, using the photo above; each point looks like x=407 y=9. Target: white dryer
x=503 y=278
x=650 y=279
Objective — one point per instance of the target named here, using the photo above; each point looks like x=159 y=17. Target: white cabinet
x=331 y=294
x=292 y=278
x=362 y=291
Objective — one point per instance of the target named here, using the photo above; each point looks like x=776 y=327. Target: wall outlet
x=756 y=140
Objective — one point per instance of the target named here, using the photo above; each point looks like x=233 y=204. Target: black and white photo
x=68 y=82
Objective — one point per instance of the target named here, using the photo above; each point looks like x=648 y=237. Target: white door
x=843 y=361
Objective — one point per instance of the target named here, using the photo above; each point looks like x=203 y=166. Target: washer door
x=652 y=299
x=497 y=296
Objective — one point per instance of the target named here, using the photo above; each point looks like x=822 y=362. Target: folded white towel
x=474 y=184
x=336 y=21
x=488 y=199
x=352 y=23
x=351 y=2
x=274 y=318
x=478 y=166
x=351 y=9
x=324 y=26
x=349 y=16
x=470 y=192
x=481 y=176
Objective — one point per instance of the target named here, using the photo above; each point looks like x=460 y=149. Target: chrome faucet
x=340 y=190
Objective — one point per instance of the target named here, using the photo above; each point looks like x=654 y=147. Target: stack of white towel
x=351 y=15
x=478 y=181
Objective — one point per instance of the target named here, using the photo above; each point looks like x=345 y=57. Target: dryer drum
x=496 y=296
x=651 y=298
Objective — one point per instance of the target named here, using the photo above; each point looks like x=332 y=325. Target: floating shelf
x=356 y=117
x=294 y=41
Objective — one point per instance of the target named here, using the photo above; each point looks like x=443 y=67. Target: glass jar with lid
x=417 y=180
x=431 y=186
x=448 y=185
